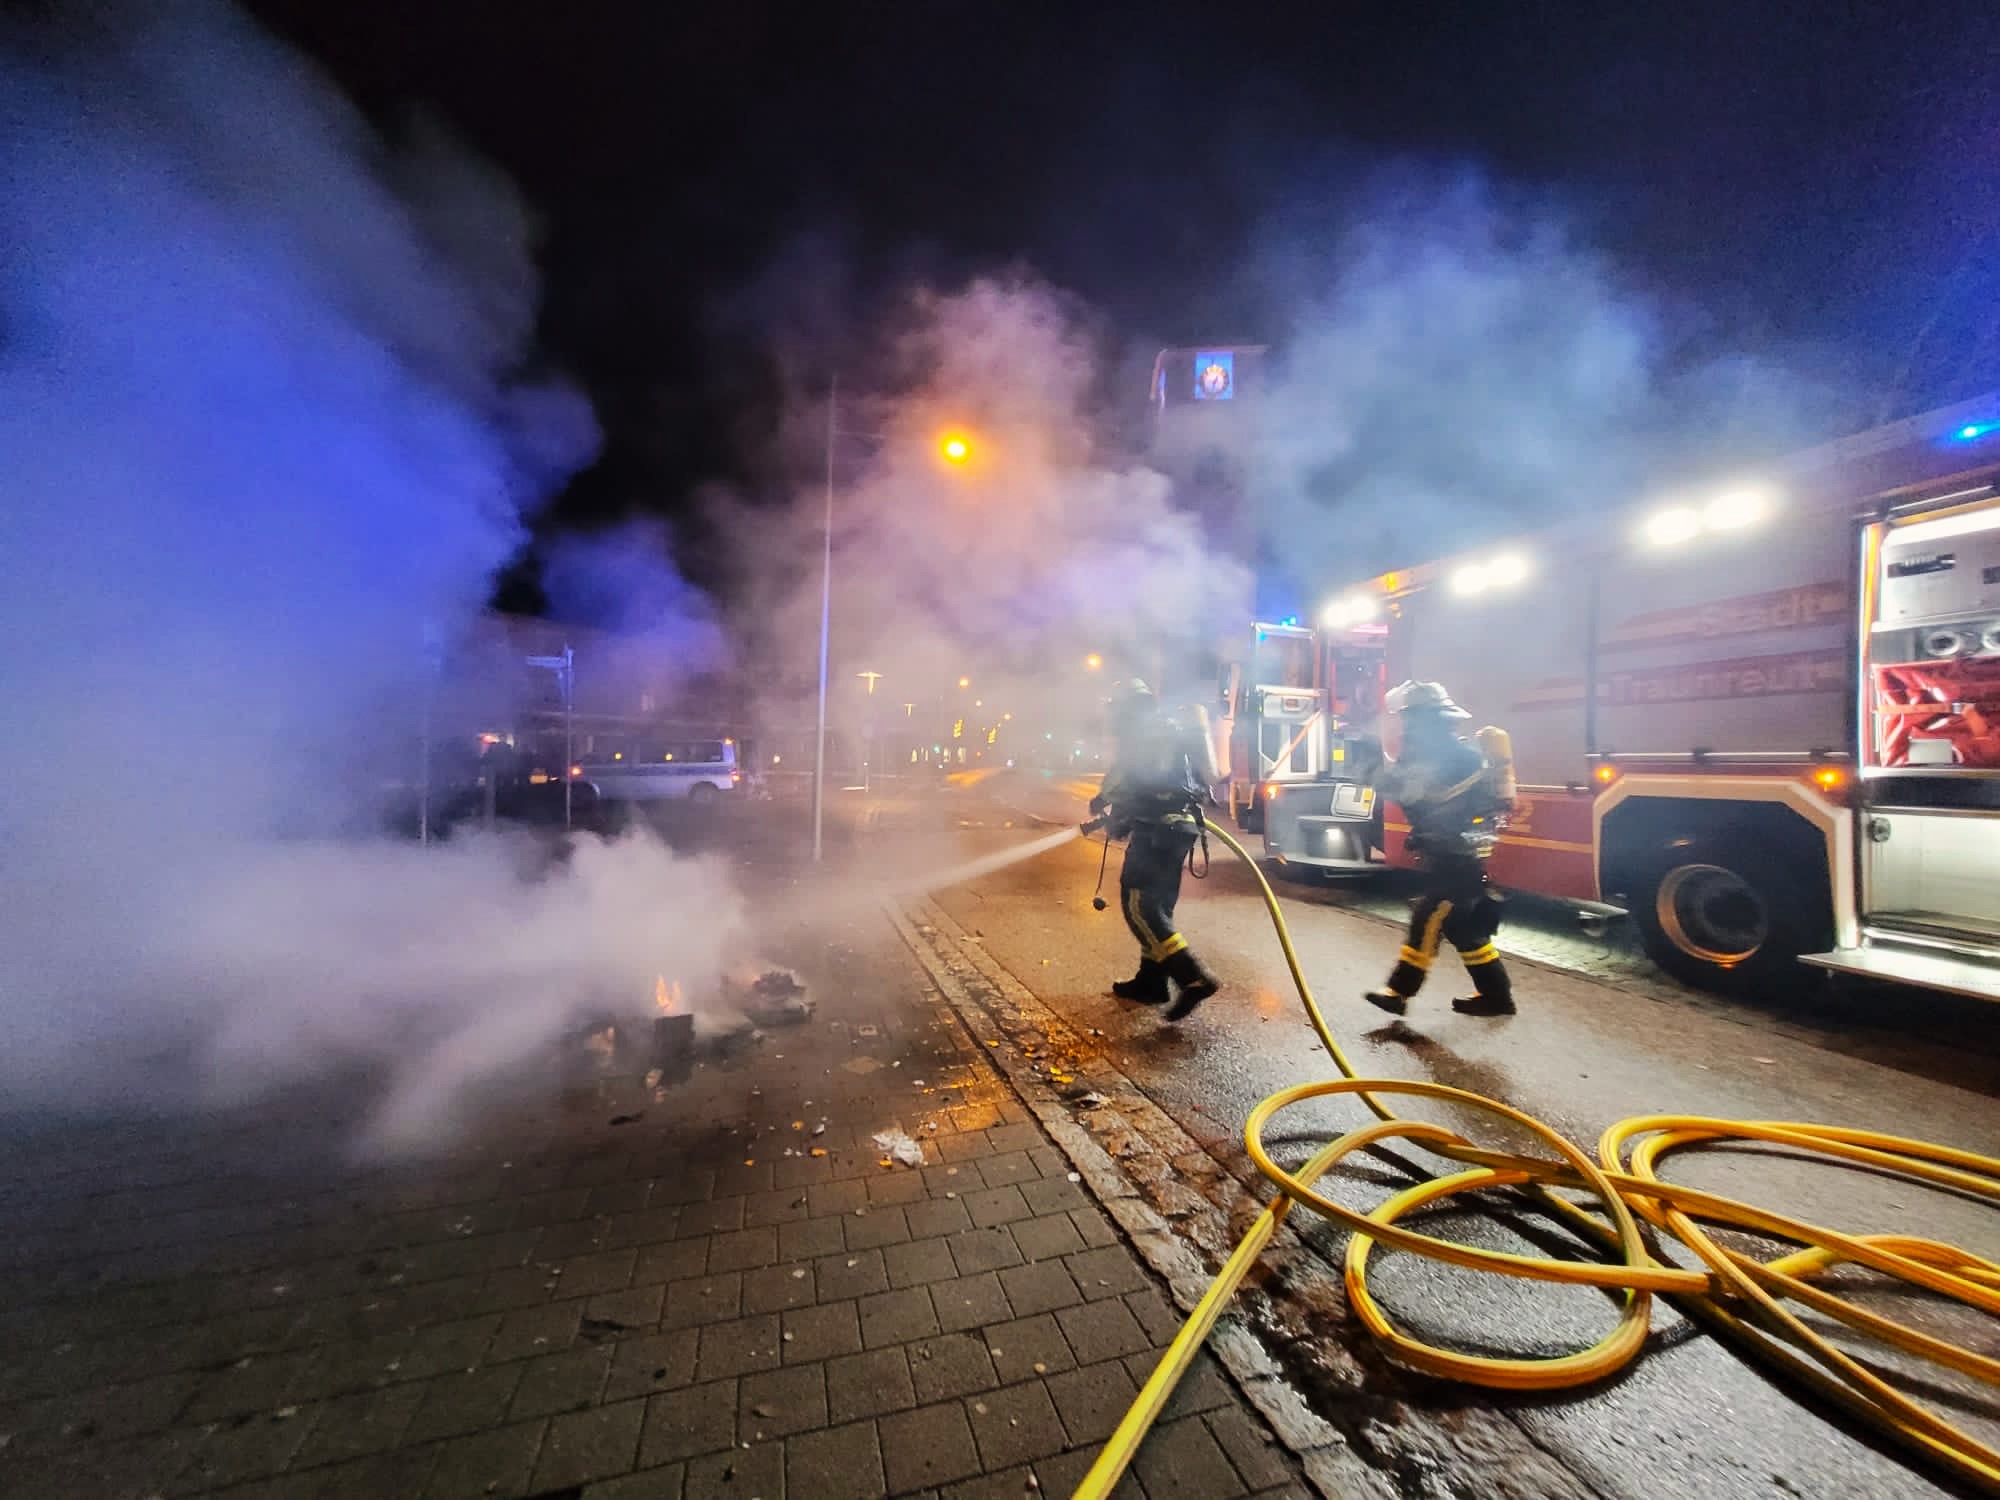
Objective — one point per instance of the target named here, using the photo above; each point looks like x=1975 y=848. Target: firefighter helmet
x=1129 y=699
x=1423 y=697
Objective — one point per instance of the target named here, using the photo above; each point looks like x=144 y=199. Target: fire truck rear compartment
x=1929 y=846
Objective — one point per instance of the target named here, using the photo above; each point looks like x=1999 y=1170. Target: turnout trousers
x=1149 y=886
x=1453 y=907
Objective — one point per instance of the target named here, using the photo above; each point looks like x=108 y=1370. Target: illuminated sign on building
x=1215 y=376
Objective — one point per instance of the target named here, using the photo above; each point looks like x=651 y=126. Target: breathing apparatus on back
x=1498 y=747
x=1165 y=769
x=1491 y=790
x=1165 y=760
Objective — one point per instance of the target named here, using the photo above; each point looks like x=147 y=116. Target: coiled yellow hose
x=1736 y=1295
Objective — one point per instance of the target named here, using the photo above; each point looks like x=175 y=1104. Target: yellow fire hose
x=1736 y=1295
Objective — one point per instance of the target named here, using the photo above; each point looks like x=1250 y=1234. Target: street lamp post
x=956 y=448
x=825 y=622
x=868 y=731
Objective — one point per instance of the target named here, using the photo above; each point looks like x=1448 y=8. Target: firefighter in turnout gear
x=1452 y=793
x=1162 y=772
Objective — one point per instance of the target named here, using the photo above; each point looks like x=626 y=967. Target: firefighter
x=1452 y=796
x=1162 y=772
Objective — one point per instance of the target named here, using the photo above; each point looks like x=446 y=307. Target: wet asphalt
x=1599 y=1038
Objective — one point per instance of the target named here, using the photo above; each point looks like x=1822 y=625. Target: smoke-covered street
x=578 y=585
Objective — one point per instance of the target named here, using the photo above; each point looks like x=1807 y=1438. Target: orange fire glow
x=666 y=996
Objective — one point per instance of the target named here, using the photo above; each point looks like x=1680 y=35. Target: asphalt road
x=1599 y=1038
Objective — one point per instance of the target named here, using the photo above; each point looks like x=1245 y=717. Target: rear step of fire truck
x=1908 y=950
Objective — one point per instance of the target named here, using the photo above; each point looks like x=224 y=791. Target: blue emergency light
x=1973 y=430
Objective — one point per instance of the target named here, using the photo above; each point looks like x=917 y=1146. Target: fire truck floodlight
x=1672 y=526
x=1504 y=572
x=1470 y=580
x=1736 y=509
x=1345 y=612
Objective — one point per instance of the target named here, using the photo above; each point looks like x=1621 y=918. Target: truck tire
x=702 y=795
x=1729 y=917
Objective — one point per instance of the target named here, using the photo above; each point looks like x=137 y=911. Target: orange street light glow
x=1093 y=661
x=956 y=448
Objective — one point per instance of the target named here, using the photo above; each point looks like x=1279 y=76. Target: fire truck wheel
x=1724 y=917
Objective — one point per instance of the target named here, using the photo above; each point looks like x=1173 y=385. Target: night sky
x=1809 y=180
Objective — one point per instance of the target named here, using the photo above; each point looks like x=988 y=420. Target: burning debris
x=673 y=1032
x=600 y=1045
x=770 y=997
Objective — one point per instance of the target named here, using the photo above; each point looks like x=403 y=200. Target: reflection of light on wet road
x=970 y=778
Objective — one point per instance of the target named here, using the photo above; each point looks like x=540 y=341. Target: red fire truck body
x=1763 y=718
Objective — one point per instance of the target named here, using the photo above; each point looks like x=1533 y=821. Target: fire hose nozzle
x=1095 y=825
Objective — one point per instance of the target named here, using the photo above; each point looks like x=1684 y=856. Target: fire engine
x=1762 y=719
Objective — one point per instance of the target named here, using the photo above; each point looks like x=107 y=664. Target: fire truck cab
x=1301 y=743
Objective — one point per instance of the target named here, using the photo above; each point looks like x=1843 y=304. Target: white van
x=699 y=770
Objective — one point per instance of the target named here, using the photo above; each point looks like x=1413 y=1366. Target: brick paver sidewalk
x=729 y=1295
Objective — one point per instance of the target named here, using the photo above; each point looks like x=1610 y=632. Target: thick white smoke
x=1046 y=546
x=268 y=434
x=1456 y=362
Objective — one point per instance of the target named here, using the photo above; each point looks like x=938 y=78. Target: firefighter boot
x=1194 y=982
x=1495 y=995
x=1147 y=987
x=1389 y=1000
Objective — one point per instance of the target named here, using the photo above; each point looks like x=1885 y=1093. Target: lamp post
x=868 y=731
x=954 y=448
x=825 y=621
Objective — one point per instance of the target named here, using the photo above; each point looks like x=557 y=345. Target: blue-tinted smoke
x=268 y=432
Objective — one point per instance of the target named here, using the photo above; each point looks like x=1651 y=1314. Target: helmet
x=1129 y=699
x=1423 y=697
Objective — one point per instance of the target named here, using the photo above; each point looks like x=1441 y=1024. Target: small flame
x=665 y=995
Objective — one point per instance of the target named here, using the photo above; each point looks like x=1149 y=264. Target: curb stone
x=1337 y=1471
